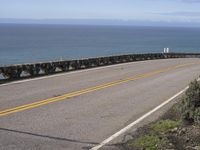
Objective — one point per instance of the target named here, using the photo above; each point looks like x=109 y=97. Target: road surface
x=79 y=110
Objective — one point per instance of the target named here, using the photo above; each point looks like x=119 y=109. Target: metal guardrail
x=15 y=72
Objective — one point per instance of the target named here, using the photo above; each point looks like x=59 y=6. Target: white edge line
x=112 y=137
x=68 y=73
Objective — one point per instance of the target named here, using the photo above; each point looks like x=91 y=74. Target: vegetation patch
x=148 y=142
x=165 y=125
x=190 y=107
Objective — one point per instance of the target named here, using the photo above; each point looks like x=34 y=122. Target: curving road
x=79 y=110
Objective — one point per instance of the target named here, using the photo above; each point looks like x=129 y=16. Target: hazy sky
x=142 y=10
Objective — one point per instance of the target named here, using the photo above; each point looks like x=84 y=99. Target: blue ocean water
x=36 y=43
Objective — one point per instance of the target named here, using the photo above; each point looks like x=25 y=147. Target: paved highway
x=79 y=110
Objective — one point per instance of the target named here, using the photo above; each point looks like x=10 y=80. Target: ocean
x=39 y=43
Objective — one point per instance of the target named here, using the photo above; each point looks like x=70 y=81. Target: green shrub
x=165 y=125
x=190 y=107
x=149 y=142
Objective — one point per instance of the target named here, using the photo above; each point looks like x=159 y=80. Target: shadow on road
x=46 y=136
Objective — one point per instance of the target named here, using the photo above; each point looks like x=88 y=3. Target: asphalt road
x=78 y=110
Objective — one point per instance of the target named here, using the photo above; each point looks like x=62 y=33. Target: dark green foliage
x=190 y=107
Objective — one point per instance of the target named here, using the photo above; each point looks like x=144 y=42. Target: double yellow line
x=88 y=90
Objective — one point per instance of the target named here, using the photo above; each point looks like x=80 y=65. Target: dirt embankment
x=171 y=131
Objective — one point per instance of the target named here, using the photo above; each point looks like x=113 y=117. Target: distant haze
x=102 y=12
x=99 y=22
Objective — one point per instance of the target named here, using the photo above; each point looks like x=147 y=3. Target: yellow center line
x=88 y=90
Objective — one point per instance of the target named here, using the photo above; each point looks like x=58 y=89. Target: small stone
x=174 y=130
x=179 y=132
x=184 y=130
x=197 y=147
x=187 y=140
x=127 y=138
x=189 y=148
x=170 y=144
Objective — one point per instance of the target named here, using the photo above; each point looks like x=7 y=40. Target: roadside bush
x=149 y=142
x=163 y=126
x=190 y=107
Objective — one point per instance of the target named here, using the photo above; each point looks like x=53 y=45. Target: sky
x=169 y=11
